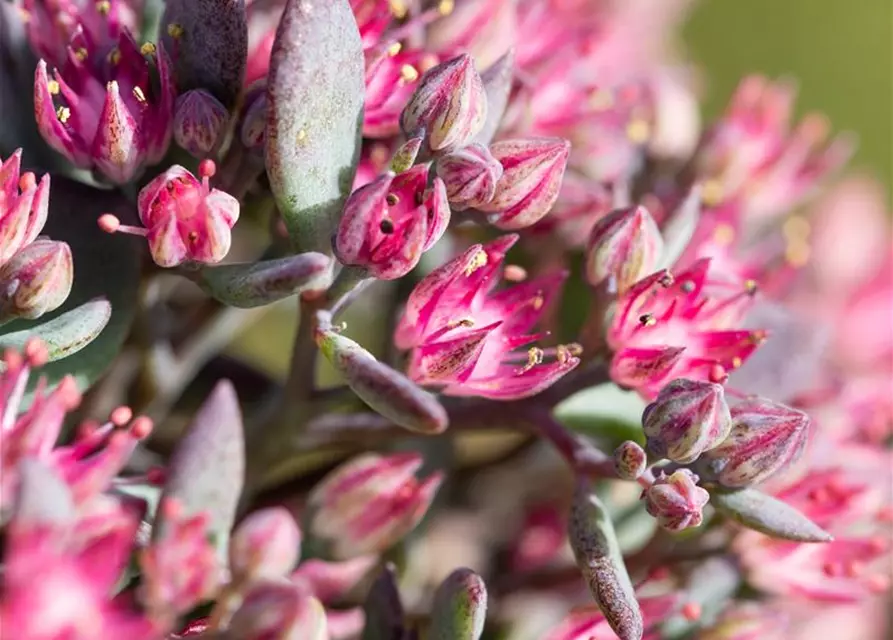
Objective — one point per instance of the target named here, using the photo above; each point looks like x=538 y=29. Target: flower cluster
x=547 y=326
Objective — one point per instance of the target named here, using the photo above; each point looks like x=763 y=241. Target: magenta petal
x=636 y=367
x=452 y=359
x=166 y=245
x=438 y=209
x=514 y=386
x=117 y=147
x=56 y=134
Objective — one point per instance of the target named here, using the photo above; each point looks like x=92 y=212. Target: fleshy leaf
x=207 y=470
x=66 y=334
x=210 y=50
x=765 y=514
x=105 y=267
x=497 y=81
x=260 y=283
x=315 y=95
x=383 y=608
x=599 y=558
x=460 y=607
x=43 y=497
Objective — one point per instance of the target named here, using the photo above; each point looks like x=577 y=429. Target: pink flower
x=669 y=327
x=391 y=78
x=752 y=157
x=676 y=500
x=388 y=223
x=23 y=206
x=185 y=219
x=61 y=566
x=626 y=245
x=36 y=280
x=464 y=337
x=589 y=624
x=369 y=503
x=51 y=25
x=94 y=457
x=100 y=110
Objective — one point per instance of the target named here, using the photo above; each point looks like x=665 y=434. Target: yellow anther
x=796 y=228
x=712 y=193
x=724 y=235
x=538 y=301
x=63 y=113
x=115 y=56
x=463 y=322
x=174 y=30
x=477 y=261
x=139 y=95
x=398 y=8
x=409 y=73
x=750 y=286
x=148 y=49
x=647 y=320
x=81 y=54
x=394 y=48
x=565 y=352
x=103 y=7
x=445 y=7
x=736 y=362
x=638 y=131
x=392 y=199
x=53 y=87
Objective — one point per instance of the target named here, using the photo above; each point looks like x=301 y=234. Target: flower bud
x=36 y=280
x=23 y=206
x=676 y=500
x=765 y=438
x=532 y=172
x=279 y=610
x=687 y=418
x=470 y=175
x=199 y=118
x=386 y=390
x=630 y=460
x=449 y=104
x=405 y=156
x=460 y=607
x=625 y=244
x=370 y=502
x=267 y=544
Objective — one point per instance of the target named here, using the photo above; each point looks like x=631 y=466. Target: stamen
x=81 y=54
x=477 y=261
x=174 y=30
x=445 y=7
x=53 y=87
x=63 y=114
x=408 y=73
x=139 y=95
x=398 y=9
x=386 y=226
x=114 y=56
x=394 y=48
x=103 y=7
x=638 y=131
x=148 y=49
x=514 y=273
x=647 y=320
x=207 y=168
x=392 y=199
x=27 y=181
x=535 y=356
x=110 y=223
x=538 y=301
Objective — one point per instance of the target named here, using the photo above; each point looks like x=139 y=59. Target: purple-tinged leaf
x=598 y=555
x=384 y=609
x=208 y=40
x=256 y=284
x=763 y=513
x=315 y=93
x=207 y=470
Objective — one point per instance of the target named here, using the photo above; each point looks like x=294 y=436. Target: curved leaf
x=383 y=608
x=756 y=510
x=211 y=50
x=315 y=93
x=105 y=267
x=605 y=413
x=66 y=334
x=260 y=283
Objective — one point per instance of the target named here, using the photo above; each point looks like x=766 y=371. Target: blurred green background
x=840 y=52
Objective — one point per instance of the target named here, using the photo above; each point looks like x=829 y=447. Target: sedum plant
x=625 y=386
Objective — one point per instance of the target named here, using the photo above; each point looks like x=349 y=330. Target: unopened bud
x=279 y=610
x=676 y=500
x=267 y=544
x=371 y=502
x=386 y=390
x=626 y=245
x=36 y=280
x=449 y=105
x=405 y=156
x=687 y=418
x=199 y=118
x=533 y=169
x=765 y=438
x=460 y=607
x=630 y=460
x=470 y=175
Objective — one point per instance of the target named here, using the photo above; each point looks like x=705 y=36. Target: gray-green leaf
x=207 y=470
x=460 y=607
x=66 y=334
x=756 y=510
x=383 y=608
x=315 y=95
